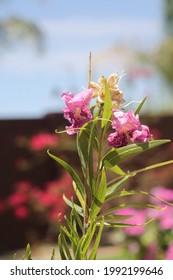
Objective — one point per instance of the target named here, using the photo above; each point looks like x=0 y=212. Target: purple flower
x=125 y=122
x=143 y=135
x=77 y=111
x=117 y=140
x=127 y=128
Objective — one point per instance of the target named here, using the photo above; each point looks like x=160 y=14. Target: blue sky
x=31 y=83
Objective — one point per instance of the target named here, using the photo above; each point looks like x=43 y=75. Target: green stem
x=85 y=219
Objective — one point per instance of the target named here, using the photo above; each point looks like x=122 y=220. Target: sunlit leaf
x=116 y=169
x=107 y=106
x=78 y=194
x=137 y=111
x=116 y=156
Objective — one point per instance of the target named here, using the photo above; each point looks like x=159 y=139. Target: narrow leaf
x=116 y=169
x=134 y=192
x=97 y=241
x=28 y=252
x=66 y=247
x=116 y=156
x=88 y=237
x=71 y=171
x=107 y=106
x=123 y=225
x=53 y=254
x=138 y=109
x=60 y=246
x=111 y=190
x=130 y=205
x=78 y=220
x=78 y=194
x=73 y=205
x=99 y=197
x=153 y=166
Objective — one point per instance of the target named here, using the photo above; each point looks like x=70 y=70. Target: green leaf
x=99 y=197
x=97 y=241
x=53 y=254
x=82 y=143
x=153 y=166
x=60 y=246
x=130 y=205
x=140 y=105
x=111 y=190
x=66 y=247
x=116 y=169
x=73 y=205
x=93 y=136
x=115 y=156
x=78 y=194
x=134 y=192
x=88 y=237
x=123 y=225
x=28 y=252
x=71 y=171
x=114 y=218
x=78 y=219
x=73 y=231
x=107 y=113
x=73 y=241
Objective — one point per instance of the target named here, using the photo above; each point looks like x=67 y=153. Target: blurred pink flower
x=169 y=252
x=77 y=111
x=138 y=218
x=151 y=252
x=17 y=199
x=46 y=199
x=166 y=218
x=21 y=212
x=23 y=186
x=43 y=140
x=162 y=193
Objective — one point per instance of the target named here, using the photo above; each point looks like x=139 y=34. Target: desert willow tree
x=106 y=135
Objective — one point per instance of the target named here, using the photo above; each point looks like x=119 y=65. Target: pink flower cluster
x=29 y=199
x=128 y=128
x=77 y=110
x=41 y=141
